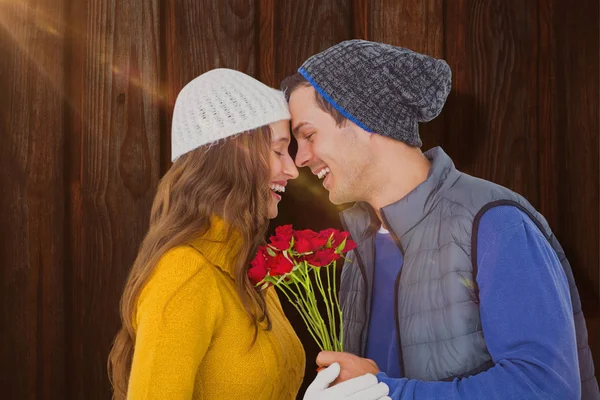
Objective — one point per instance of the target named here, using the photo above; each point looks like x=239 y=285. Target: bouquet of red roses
x=293 y=261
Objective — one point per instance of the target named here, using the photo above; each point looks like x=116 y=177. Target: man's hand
x=351 y=365
x=364 y=387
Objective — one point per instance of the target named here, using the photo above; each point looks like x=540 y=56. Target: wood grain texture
x=569 y=148
x=203 y=35
x=266 y=42
x=569 y=103
x=114 y=148
x=304 y=28
x=360 y=19
x=419 y=26
x=491 y=124
x=32 y=180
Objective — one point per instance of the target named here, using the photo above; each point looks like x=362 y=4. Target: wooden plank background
x=87 y=95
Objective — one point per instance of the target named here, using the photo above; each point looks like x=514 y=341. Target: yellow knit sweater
x=193 y=336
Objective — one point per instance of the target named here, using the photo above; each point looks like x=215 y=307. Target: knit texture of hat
x=219 y=104
x=382 y=88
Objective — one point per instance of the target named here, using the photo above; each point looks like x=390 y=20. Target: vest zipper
x=396 y=290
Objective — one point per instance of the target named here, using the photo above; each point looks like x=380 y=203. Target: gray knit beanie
x=382 y=88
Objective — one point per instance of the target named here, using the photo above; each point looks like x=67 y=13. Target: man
x=458 y=288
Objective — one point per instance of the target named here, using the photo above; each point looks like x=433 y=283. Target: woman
x=193 y=324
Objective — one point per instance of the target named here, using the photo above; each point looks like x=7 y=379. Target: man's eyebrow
x=297 y=127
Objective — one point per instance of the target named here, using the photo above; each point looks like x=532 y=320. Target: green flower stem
x=301 y=291
x=302 y=313
x=317 y=272
x=304 y=303
x=314 y=304
x=312 y=308
x=333 y=322
x=326 y=331
x=309 y=315
x=337 y=303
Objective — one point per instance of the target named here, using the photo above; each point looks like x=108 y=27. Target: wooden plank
x=32 y=180
x=207 y=34
x=569 y=146
x=360 y=19
x=419 y=26
x=113 y=70
x=304 y=28
x=491 y=125
x=266 y=42
x=549 y=146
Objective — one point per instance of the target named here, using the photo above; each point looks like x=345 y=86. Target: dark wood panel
x=360 y=19
x=491 y=115
x=114 y=145
x=419 y=26
x=304 y=28
x=200 y=36
x=572 y=102
x=266 y=42
x=569 y=94
x=32 y=182
x=549 y=147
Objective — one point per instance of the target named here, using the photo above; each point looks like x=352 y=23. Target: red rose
x=316 y=241
x=326 y=234
x=301 y=244
x=260 y=260
x=322 y=257
x=339 y=237
x=256 y=274
x=285 y=231
x=279 y=243
x=350 y=245
x=259 y=266
x=280 y=265
x=283 y=236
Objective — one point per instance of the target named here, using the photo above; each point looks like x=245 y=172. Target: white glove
x=362 y=388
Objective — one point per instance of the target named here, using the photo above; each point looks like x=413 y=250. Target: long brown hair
x=228 y=179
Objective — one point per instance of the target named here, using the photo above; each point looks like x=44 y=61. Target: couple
x=458 y=288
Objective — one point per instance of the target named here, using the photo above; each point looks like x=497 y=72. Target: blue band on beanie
x=327 y=98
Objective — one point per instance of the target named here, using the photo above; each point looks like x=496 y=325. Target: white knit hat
x=222 y=103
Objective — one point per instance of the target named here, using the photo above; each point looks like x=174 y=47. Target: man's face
x=339 y=154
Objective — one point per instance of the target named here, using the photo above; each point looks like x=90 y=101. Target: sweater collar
x=220 y=245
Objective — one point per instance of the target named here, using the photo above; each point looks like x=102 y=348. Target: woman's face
x=282 y=165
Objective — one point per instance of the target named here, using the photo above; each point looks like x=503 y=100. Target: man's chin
x=339 y=198
x=335 y=199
